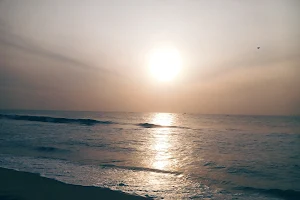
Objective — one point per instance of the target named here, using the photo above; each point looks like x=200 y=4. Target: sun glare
x=165 y=63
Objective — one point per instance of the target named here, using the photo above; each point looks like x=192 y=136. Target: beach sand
x=15 y=185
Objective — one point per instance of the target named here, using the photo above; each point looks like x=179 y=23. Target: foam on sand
x=23 y=185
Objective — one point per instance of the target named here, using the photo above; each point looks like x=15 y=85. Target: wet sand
x=15 y=185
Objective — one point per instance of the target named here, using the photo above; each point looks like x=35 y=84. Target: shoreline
x=17 y=185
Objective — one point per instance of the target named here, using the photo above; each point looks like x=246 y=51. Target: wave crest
x=149 y=125
x=62 y=120
x=140 y=169
x=88 y=122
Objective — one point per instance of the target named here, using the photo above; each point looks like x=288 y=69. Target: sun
x=165 y=63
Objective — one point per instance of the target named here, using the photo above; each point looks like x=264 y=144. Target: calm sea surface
x=161 y=155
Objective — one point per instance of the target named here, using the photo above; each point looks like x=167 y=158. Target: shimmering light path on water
x=163 y=155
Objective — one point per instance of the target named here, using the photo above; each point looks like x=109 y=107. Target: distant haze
x=91 y=55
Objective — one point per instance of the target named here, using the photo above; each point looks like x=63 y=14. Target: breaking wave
x=88 y=122
x=55 y=119
x=140 y=169
x=149 y=125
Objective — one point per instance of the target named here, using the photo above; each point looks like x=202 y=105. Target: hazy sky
x=92 y=55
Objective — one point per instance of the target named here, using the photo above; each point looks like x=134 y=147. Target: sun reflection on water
x=163 y=119
x=161 y=156
x=161 y=145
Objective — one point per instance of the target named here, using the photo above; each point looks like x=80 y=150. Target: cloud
x=9 y=39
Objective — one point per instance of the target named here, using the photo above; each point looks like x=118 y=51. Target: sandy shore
x=15 y=185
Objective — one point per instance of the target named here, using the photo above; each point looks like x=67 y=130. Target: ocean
x=158 y=155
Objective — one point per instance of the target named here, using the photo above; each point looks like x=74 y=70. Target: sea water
x=158 y=155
